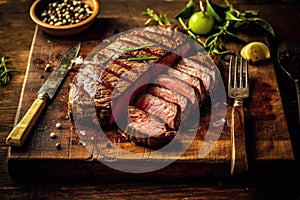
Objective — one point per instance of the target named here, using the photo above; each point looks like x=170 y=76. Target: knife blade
x=46 y=93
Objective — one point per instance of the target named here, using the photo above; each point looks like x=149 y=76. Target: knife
x=46 y=93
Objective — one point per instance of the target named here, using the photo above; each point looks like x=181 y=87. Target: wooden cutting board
x=268 y=139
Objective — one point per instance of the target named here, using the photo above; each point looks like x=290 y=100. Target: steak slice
x=174 y=97
x=205 y=77
x=181 y=87
x=147 y=130
x=189 y=79
x=167 y=111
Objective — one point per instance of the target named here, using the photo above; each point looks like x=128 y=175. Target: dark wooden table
x=275 y=182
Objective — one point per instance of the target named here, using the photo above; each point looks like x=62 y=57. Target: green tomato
x=201 y=23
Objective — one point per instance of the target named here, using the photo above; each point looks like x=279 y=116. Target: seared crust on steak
x=155 y=95
x=146 y=129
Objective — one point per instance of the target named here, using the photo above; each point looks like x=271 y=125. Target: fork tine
x=241 y=72
x=229 y=73
x=235 y=72
x=246 y=79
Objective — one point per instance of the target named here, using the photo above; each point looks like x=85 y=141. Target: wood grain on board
x=268 y=138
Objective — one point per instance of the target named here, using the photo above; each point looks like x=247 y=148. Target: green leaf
x=263 y=24
x=249 y=13
x=217 y=11
x=240 y=25
x=153 y=16
x=167 y=21
x=229 y=15
x=43 y=128
x=187 y=11
x=234 y=36
x=5 y=73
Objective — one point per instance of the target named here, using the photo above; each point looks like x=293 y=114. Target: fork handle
x=297 y=84
x=239 y=160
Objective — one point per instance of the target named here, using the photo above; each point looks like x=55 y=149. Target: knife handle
x=239 y=160
x=20 y=132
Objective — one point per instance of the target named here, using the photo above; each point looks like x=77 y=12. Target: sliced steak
x=203 y=67
x=174 y=97
x=181 y=87
x=123 y=93
x=160 y=93
x=147 y=130
x=189 y=79
x=139 y=72
x=167 y=111
x=205 y=77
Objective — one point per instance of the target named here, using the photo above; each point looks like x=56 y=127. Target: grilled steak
x=124 y=82
x=174 y=97
x=167 y=111
x=189 y=79
x=179 y=86
x=202 y=67
x=155 y=95
x=147 y=130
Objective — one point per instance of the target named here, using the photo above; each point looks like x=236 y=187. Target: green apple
x=201 y=23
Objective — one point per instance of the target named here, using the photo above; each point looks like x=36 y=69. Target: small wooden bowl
x=63 y=30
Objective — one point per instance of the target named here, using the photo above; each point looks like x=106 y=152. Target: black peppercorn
x=65 y=12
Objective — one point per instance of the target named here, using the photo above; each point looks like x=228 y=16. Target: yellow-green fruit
x=201 y=23
x=255 y=51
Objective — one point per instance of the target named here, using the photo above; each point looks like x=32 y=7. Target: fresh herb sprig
x=139 y=47
x=229 y=21
x=5 y=73
x=142 y=58
x=156 y=18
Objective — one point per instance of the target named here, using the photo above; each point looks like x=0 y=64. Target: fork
x=238 y=89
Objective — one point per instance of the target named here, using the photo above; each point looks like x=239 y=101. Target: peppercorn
x=52 y=135
x=65 y=12
x=58 y=125
x=58 y=146
x=48 y=68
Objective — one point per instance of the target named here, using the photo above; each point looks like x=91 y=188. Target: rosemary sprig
x=44 y=128
x=154 y=17
x=5 y=74
x=107 y=59
x=142 y=58
x=116 y=56
x=139 y=47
